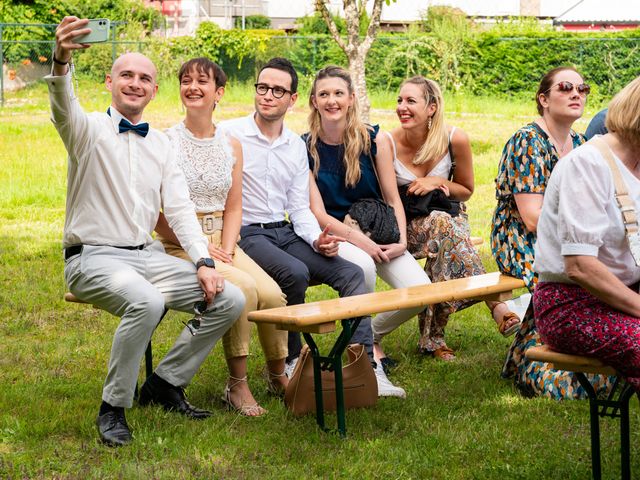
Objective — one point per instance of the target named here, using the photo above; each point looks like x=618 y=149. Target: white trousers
x=402 y=271
x=137 y=285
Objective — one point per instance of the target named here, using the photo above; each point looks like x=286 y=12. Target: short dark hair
x=547 y=82
x=285 y=65
x=206 y=66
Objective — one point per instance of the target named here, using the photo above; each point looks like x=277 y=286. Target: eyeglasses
x=278 y=92
x=583 y=89
x=199 y=308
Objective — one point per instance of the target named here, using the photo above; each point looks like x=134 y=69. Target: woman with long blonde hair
x=350 y=161
x=430 y=155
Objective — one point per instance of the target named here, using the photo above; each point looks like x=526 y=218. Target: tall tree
x=355 y=47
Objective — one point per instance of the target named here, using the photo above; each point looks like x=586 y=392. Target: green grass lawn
x=460 y=420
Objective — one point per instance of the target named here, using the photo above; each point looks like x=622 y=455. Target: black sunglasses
x=278 y=92
x=199 y=308
x=583 y=89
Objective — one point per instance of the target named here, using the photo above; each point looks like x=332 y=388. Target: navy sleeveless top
x=337 y=197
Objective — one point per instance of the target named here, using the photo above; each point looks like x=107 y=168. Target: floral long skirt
x=445 y=244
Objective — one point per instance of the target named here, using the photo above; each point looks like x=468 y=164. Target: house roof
x=598 y=11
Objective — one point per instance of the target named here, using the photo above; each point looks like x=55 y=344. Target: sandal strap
x=495 y=305
x=443 y=350
x=235 y=381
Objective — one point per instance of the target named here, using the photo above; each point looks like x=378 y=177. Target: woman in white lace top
x=212 y=165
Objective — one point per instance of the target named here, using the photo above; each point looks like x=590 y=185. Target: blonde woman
x=212 y=164
x=430 y=155
x=346 y=158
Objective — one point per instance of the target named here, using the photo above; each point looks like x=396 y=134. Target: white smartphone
x=99 y=31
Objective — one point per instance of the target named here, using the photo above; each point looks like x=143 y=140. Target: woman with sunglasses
x=528 y=159
x=588 y=251
x=212 y=164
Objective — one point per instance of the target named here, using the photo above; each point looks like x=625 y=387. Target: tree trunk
x=358 y=75
x=356 y=48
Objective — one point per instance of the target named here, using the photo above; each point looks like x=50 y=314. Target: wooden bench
x=321 y=317
x=148 y=354
x=616 y=405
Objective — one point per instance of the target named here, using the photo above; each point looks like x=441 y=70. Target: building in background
x=596 y=15
x=183 y=16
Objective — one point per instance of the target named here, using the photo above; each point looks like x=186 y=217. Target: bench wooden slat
x=572 y=363
x=490 y=285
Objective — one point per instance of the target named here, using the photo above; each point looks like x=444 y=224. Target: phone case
x=99 y=31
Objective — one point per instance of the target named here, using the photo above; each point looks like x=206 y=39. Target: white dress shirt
x=118 y=182
x=580 y=216
x=275 y=178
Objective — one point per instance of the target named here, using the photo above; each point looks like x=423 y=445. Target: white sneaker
x=385 y=387
x=290 y=366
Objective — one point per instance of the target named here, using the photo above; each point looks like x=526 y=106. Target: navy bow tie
x=125 y=125
x=141 y=129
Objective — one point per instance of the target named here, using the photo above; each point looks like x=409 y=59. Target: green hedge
x=486 y=63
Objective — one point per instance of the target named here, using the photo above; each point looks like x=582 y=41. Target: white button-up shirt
x=118 y=182
x=275 y=178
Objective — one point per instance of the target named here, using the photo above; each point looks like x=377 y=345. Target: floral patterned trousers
x=445 y=244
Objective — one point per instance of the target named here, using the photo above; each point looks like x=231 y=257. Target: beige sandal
x=254 y=410
x=274 y=388
x=504 y=321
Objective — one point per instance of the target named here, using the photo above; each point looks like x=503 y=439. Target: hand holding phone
x=99 y=31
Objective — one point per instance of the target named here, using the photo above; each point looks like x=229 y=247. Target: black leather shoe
x=113 y=428
x=171 y=398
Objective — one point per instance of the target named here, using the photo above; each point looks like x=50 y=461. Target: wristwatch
x=205 y=262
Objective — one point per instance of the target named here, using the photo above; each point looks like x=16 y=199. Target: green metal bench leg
x=625 y=460
x=613 y=408
x=332 y=362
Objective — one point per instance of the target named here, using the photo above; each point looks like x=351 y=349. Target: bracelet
x=55 y=60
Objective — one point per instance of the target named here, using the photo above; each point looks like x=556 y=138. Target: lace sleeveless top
x=207 y=164
x=404 y=176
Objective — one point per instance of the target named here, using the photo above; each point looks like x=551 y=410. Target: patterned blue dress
x=527 y=161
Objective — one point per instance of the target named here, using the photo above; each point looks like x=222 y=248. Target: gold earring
x=429 y=123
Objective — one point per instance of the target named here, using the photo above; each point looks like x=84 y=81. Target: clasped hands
x=424 y=185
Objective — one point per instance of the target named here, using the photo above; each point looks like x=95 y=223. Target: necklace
x=555 y=142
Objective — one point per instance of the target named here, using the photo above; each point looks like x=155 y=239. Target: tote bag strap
x=625 y=203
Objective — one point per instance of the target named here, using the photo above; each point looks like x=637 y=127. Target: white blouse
x=207 y=164
x=580 y=216
x=404 y=176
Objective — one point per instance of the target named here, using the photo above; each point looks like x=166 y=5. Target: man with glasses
x=292 y=250
x=120 y=174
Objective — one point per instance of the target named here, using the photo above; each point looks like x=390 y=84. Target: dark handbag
x=423 y=205
x=358 y=379
x=434 y=201
x=375 y=219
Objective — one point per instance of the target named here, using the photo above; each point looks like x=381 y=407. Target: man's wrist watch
x=205 y=262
